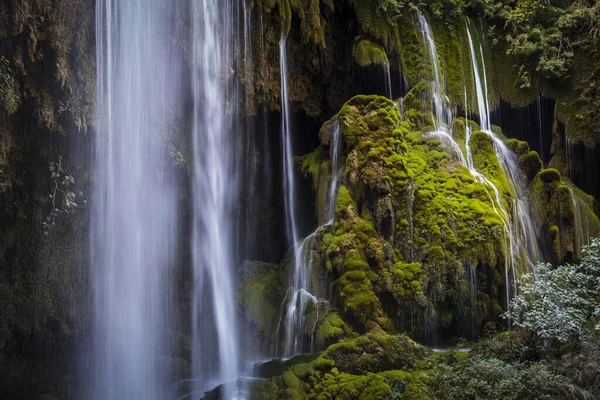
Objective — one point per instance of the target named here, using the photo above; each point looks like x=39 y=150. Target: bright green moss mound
x=368 y=53
x=331 y=330
x=371 y=366
x=375 y=351
x=408 y=217
x=529 y=161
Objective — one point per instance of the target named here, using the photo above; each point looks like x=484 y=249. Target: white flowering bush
x=558 y=302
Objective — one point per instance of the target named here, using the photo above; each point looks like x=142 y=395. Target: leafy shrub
x=557 y=303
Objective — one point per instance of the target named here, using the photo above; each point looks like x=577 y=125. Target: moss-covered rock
x=368 y=53
x=332 y=329
x=369 y=366
x=565 y=213
x=375 y=351
x=272 y=368
x=260 y=295
x=407 y=219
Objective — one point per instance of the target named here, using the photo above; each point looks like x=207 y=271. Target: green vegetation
x=558 y=302
x=407 y=218
x=260 y=296
x=367 y=53
x=560 y=209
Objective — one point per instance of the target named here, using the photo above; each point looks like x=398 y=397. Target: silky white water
x=523 y=240
x=135 y=221
x=288 y=157
x=134 y=216
x=299 y=298
x=581 y=222
x=521 y=233
x=443 y=114
x=336 y=170
x=388 y=81
x=214 y=188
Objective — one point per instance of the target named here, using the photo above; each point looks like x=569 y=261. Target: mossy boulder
x=529 y=161
x=375 y=351
x=565 y=213
x=269 y=369
x=408 y=217
x=332 y=329
x=369 y=366
x=260 y=296
x=367 y=53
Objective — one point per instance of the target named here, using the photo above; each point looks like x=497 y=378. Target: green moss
x=278 y=366
x=368 y=53
x=312 y=25
x=485 y=161
x=343 y=200
x=375 y=351
x=380 y=25
x=421 y=212
x=332 y=329
x=380 y=118
x=259 y=295
x=315 y=164
x=549 y=175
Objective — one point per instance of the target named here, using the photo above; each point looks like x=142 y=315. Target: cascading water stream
x=336 y=171
x=299 y=297
x=288 y=157
x=134 y=217
x=520 y=229
x=388 y=81
x=214 y=189
x=443 y=115
x=523 y=239
x=582 y=230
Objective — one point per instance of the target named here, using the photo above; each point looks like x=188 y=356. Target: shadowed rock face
x=47 y=91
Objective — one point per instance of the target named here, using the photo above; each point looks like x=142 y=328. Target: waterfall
x=388 y=81
x=214 y=188
x=521 y=228
x=134 y=216
x=443 y=120
x=482 y=102
x=299 y=298
x=443 y=114
x=521 y=233
x=336 y=170
x=288 y=156
x=581 y=223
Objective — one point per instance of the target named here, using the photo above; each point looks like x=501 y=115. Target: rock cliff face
x=47 y=85
x=417 y=245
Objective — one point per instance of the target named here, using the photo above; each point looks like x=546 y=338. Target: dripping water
x=336 y=170
x=443 y=115
x=388 y=81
